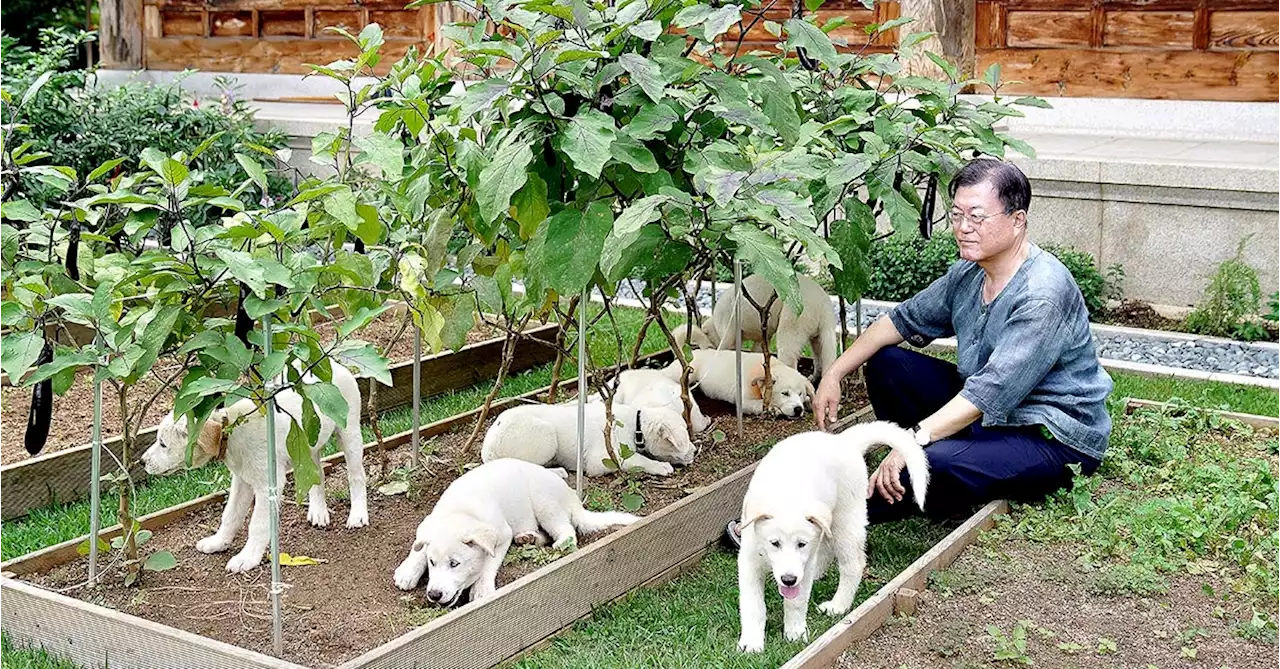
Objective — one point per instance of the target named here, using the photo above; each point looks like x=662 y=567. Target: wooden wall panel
x=1171 y=30
x=402 y=24
x=231 y=24
x=181 y=23
x=274 y=56
x=1172 y=75
x=1243 y=30
x=285 y=23
x=349 y=20
x=1040 y=29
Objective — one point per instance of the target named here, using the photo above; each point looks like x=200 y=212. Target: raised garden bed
x=1138 y=588
x=61 y=474
x=686 y=513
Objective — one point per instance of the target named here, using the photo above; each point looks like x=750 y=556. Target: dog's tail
x=867 y=435
x=587 y=522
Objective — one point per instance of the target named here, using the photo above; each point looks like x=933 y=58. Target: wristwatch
x=921 y=436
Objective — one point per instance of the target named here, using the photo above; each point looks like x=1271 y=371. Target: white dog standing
x=815 y=325
x=654 y=389
x=245 y=452
x=462 y=543
x=806 y=502
x=714 y=376
x=547 y=434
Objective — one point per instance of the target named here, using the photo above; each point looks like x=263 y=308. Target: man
x=1027 y=397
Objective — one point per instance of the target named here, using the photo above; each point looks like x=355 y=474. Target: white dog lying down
x=466 y=536
x=245 y=452
x=816 y=325
x=807 y=500
x=654 y=389
x=714 y=376
x=547 y=434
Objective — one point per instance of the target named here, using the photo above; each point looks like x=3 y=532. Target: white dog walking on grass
x=807 y=503
x=245 y=453
x=462 y=543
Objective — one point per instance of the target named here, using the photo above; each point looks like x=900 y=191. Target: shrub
x=902 y=266
x=1096 y=287
x=1234 y=294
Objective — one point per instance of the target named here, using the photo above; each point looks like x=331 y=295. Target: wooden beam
x=872 y=613
x=1097 y=25
x=1132 y=404
x=953 y=23
x=120 y=34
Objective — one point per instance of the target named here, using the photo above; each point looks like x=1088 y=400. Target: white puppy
x=547 y=434
x=245 y=452
x=815 y=326
x=714 y=376
x=654 y=389
x=464 y=540
x=807 y=500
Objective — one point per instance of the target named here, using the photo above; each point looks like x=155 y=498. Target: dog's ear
x=212 y=435
x=419 y=545
x=823 y=524
x=754 y=519
x=486 y=538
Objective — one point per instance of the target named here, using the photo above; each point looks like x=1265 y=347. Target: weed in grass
x=17 y=656
x=535 y=555
x=1011 y=648
x=1127 y=579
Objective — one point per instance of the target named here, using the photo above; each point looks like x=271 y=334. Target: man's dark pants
x=972 y=467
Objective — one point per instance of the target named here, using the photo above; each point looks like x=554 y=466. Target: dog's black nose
x=789 y=580
x=434 y=595
x=797 y=411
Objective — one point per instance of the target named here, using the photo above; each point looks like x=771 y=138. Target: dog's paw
x=407 y=577
x=662 y=469
x=213 y=544
x=318 y=515
x=795 y=633
x=243 y=563
x=358 y=518
x=751 y=645
x=530 y=539
x=831 y=608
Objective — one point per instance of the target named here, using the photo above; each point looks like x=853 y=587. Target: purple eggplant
x=41 y=414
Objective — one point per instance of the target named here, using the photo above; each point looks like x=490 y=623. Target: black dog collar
x=639 y=436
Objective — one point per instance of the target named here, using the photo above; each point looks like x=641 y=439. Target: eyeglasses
x=975 y=220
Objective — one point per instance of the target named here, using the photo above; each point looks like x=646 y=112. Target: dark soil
x=1066 y=622
x=347 y=605
x=73 y=411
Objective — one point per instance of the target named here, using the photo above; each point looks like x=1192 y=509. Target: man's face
x=981 y=225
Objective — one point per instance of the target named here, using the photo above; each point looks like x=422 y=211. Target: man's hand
x=826 y=401
x=887 y=479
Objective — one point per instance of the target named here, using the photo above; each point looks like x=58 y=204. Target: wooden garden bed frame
x=1132 y=404
x=63 y=476
x=546 y=602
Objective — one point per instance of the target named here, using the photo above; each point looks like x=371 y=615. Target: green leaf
x=19 y=210
x=142 y=536
x=632 y=502
x=946 y=66
x=789 y=205
x=360 y=319
x=254 y=170
x=383 y=150
x=83 y=547
x=34 y=88
x=1019 y=146
x=719 y=436
x=341 y=204
x=765 y=256
x=153 y=338
x=394 y=488
x=328 y=400
x=587 y=139
x=244 y=268
x=646 y=30
x=692 y=15
x=458 y=313
x=103 y=169
x=638 y=214
x=224 y=202
x=847 y=168
x=569 y=251
x=777 y=101
x=365 y=358
x=369 y=230
x=1030 y=101
x=652 y=121
x=575 y=55
x=531 y=205
x=481 y=96
x=19 y=352
x=503 y=176
x=849 y=238
x=305 y=474
x=11 y=313
x=627 y=150
x=719 y=21
x=801 y=33
x=992 y=76
x=646 y=73
x=61 y=362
